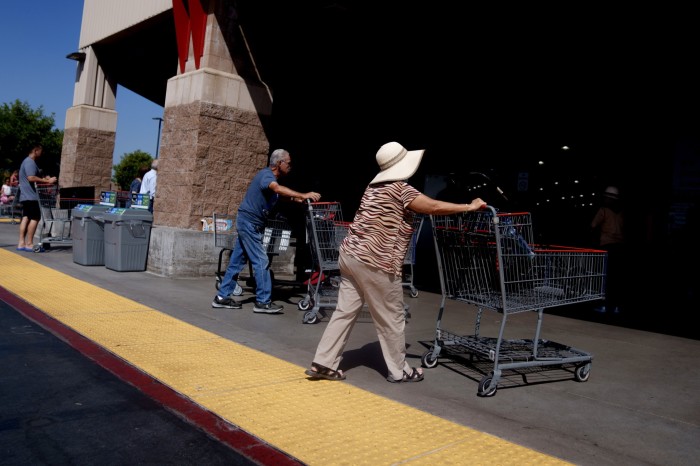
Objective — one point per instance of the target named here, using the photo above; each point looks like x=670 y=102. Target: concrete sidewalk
x=640 y=405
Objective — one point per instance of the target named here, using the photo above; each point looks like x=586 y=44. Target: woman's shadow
x=369 y=355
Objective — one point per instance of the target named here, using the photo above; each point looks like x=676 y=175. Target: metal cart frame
x=225 y=236
x=55 y=225
x=488 y=259
x=325 y=231
x=276 y=238
x=410 y=259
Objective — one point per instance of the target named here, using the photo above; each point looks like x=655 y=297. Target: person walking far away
x=135 y=187
x=261 y=196
x=148 y=184
x=29 y=198
x=371 y=261
x=609 y=223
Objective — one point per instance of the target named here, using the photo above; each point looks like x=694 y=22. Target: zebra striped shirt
x=381 y=231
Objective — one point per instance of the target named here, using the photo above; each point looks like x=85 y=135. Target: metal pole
x=160 y=122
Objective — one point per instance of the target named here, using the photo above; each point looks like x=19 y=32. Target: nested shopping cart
x=276 y=239
x=325 y=231
x=55 y=225
x=488 y=259
x=410 y=259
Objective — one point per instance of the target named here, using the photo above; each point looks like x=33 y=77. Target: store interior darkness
x=546 y=104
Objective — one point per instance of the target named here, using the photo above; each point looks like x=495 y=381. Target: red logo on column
x=190 y=21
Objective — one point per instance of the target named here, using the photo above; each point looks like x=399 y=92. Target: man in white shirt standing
x=148 y=184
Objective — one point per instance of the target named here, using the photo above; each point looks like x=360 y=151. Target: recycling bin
x=127 y=234
x=87 y=232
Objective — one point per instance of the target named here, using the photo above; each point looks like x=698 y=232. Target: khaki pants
x=383 y=293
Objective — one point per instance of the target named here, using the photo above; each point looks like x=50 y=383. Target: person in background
x=371 y=263
x=135 y=187
x=14 y=179
x=6 y=195
x=31 y=214
x=263 y=193
x=148 y=184
x=609 y=223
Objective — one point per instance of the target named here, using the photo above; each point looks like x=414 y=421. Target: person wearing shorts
x=29 y=198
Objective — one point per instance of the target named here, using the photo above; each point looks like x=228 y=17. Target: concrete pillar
x=90 y=128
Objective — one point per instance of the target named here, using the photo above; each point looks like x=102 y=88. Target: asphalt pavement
x=57 y=407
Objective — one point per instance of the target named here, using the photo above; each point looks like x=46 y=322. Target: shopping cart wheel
x=218 y=283
x=582 y=372
x=414 y=292
x=310 y=317
x=484 y=389
x=428 y=360
x=305 y=304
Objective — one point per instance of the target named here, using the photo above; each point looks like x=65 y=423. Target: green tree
x=20 y=128
x=128 y=167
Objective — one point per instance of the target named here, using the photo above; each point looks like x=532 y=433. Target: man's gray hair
x=277 y=155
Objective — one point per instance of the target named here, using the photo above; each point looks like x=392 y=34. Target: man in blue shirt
x=261 y=196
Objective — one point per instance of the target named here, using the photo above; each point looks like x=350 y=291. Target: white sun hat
x=396 y=163
x=611 y=192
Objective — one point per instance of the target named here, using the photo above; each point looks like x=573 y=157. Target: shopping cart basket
x=410 y=259
x=488 y=259
x=325 y=231
x=276 y=239
x=55 y=225
x=225 y=236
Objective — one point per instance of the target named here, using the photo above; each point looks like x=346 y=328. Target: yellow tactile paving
x=317 y=422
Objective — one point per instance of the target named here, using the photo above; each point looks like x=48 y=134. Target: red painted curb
x=242 y=442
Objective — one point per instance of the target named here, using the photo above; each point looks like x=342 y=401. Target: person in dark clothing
x=609 y=223
x=135 y=187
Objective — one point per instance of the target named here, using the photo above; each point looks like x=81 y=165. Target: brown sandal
x=318 y=371
x=414 y=376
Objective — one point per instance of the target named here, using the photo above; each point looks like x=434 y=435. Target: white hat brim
x=403 y=170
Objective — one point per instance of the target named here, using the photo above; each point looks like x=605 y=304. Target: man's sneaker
x=227 y=303
x=269 y=308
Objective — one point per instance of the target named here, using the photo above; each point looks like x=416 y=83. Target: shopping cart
x=325 y=230
x=55 y=225
x=410 y=259
x=488 y=259
x=225 y=235
x=276 y=239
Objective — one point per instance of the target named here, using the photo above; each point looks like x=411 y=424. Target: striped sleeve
x=381 y=230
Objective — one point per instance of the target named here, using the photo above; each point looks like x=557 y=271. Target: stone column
x=212 y=144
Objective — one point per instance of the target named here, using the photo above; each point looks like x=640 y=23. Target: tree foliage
x=128 y=167
x=21 y=127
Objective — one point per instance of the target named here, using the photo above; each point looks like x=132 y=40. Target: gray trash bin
x=127 y=233
x=87 y=232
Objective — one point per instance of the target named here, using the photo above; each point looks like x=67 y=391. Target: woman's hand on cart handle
x=475 y=205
